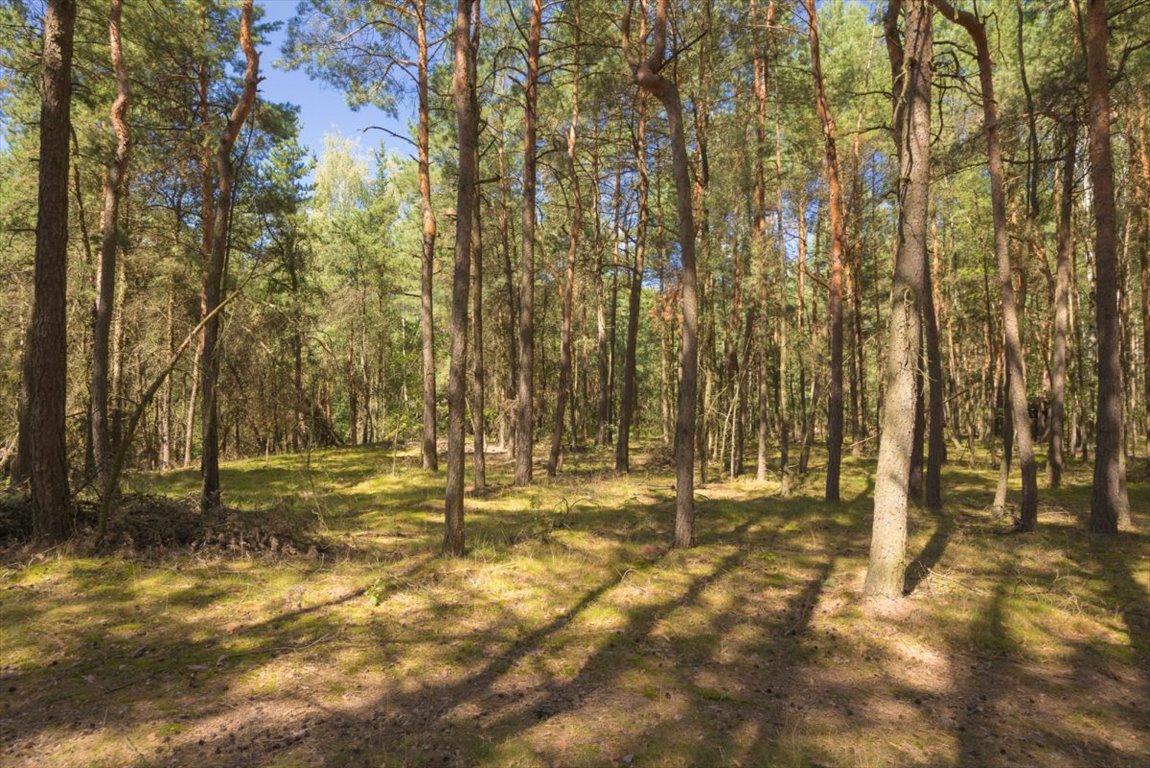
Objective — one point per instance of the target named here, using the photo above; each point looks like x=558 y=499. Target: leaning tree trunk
x=1013 y=336
x=214 y=272
x=467 y=133
x=911 y=67
x=525 y=417
x=835 y=303
x=114 y=187
x=430 y=458
x=46 y=371
x=1109 y=504
x=648 y=77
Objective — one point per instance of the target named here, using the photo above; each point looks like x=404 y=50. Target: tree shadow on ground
x=574 y=638
x=931 y=554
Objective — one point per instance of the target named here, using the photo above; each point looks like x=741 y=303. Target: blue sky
x=323 y=109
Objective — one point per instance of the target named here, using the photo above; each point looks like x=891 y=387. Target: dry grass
x=571 y=635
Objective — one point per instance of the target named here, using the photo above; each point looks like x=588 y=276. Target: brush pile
x=147 y=523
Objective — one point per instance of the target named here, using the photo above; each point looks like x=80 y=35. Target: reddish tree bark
x=838 y=234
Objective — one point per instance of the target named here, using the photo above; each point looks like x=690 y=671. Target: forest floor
x=571 y=635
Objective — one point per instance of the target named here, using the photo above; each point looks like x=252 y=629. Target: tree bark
x=576 y=224
x=634 y=295
x=936 y=443
x=429 y=451
x=648 y=77
x=784 y=313
x=1013 y=337
x=759 y=238
x=834 y=305
x=46 y=371
x=1109 y=504
x=525 y=420
x=1065 y=242
x=509 y=279
x=479 y=375
x=1142 y=189
x=918 y=447
x=911 y=67
x=214 y=269
x=603 y=402
x=114 y=187
x=467 y=135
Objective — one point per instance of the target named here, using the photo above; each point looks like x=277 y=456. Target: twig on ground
x=277 y=649
x=931 y=573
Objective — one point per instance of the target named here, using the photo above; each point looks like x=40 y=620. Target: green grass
x=571 y=634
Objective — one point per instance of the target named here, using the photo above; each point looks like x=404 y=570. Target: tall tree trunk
x=618 y=244
x=207 y=214
x=467 y=134
x=1065 y=238
x=353 y=383
x=214 y=271
x=911 y=68
x=935 y=438
x=759 y=238
x=784 y=313
x=1000 y=491
x=1109 y=504
x=666 y=410
x=648 y=77
x=46 y=372
x=115 y=183
x=603 y=403
x=853 y=277
x=1013 y=336
x=918 y=448
x=166 y=406
x=429 y=451
x=479 y=375
x=190 y=421
x=634 y=295
x=834 y=306
x=576 y=225
x=1142 y=189
x=509 y=279
x=526 y=420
